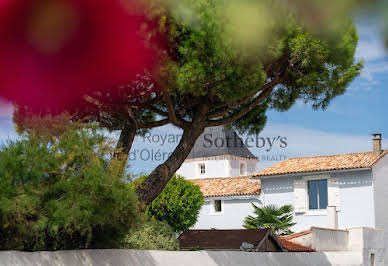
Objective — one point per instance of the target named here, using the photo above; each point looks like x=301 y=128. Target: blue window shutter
x=322 y=194
x=313 y=194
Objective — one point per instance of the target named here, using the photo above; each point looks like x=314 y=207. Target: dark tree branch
x=228 y=108
x=171 y=112
x=272 y=70
x=124 y=144
x=242 y=111
x=153 y=124
x=157 y=110
x=265 y=92
x=157 y=180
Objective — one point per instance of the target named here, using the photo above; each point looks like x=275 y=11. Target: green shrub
x=152 y=235
x=179 y=204
x=58 y=193
x=279 y=219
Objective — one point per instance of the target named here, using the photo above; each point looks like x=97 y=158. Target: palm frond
x=279 y=219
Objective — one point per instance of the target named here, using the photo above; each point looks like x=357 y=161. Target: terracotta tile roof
x=228 y=186
x=323 y=163
x=298 y=235
x=261 y=239
x=292 y=246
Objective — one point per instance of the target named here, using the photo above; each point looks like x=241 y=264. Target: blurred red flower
x=52 y=52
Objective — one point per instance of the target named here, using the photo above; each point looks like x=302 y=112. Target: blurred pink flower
x=53 y=51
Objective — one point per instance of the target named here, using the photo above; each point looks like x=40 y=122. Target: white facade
x=380 y=186
x=234 y=210
x=217 y=166
x=360 y=197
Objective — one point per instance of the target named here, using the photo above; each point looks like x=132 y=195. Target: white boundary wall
x=171 y=258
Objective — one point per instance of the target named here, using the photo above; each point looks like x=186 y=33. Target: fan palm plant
x=279 y=219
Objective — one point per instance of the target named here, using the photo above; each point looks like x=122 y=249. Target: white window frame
x=213 y=207
x=200 y=170
x=245 y=168
x=317 y=212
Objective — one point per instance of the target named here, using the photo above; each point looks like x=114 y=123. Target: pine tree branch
x=153 y=124
x=157 y=110
x=171 y=112
x=265 y=92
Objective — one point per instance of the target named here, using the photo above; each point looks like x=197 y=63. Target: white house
x=220 y=163
x=227 y=201
x=218 y=152
x=342 y=191
x=338 y=191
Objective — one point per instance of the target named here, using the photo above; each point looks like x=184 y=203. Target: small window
x=202 y=169
x=217 y=206
x=317 y=191
x=243 y=169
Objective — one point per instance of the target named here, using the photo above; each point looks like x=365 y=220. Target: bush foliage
x=178 y=204
x=59 y=193
x=152 y=235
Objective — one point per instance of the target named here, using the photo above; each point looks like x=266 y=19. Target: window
x=202 y=169
x=243 y=169
x=317 y=192
x=217 y=206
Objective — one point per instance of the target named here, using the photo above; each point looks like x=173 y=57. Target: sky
x=345 y=126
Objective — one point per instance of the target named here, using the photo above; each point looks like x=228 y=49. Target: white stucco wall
x=215 y=168
x=234 y=212
x=235 y=167
x=380 y=177
x=356 y=200
x=186 y=258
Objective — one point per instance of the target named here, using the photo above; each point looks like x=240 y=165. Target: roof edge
x=222 y=157
x=291 y=174
x=339 y=154
x=234 y=196
x=382 y=155
x=226 y=177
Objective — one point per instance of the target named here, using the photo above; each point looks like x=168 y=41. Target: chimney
x=377 y=143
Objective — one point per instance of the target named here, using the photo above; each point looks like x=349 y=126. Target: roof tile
x=220 y=239
x=298 y=235
x=323 y=163
x=292 y=246
x=228 y=186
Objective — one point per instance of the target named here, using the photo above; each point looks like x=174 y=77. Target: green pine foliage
x=58 y=193
x=279 y=219
x=213 y=60
x=151 y=235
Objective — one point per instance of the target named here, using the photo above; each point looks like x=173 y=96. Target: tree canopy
x=216 y=79
x=224 y=63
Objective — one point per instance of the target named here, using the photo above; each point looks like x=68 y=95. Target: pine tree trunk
x=123 y=147
x=157 y=180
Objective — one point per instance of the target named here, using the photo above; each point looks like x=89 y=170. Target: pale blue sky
x=344 y=127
